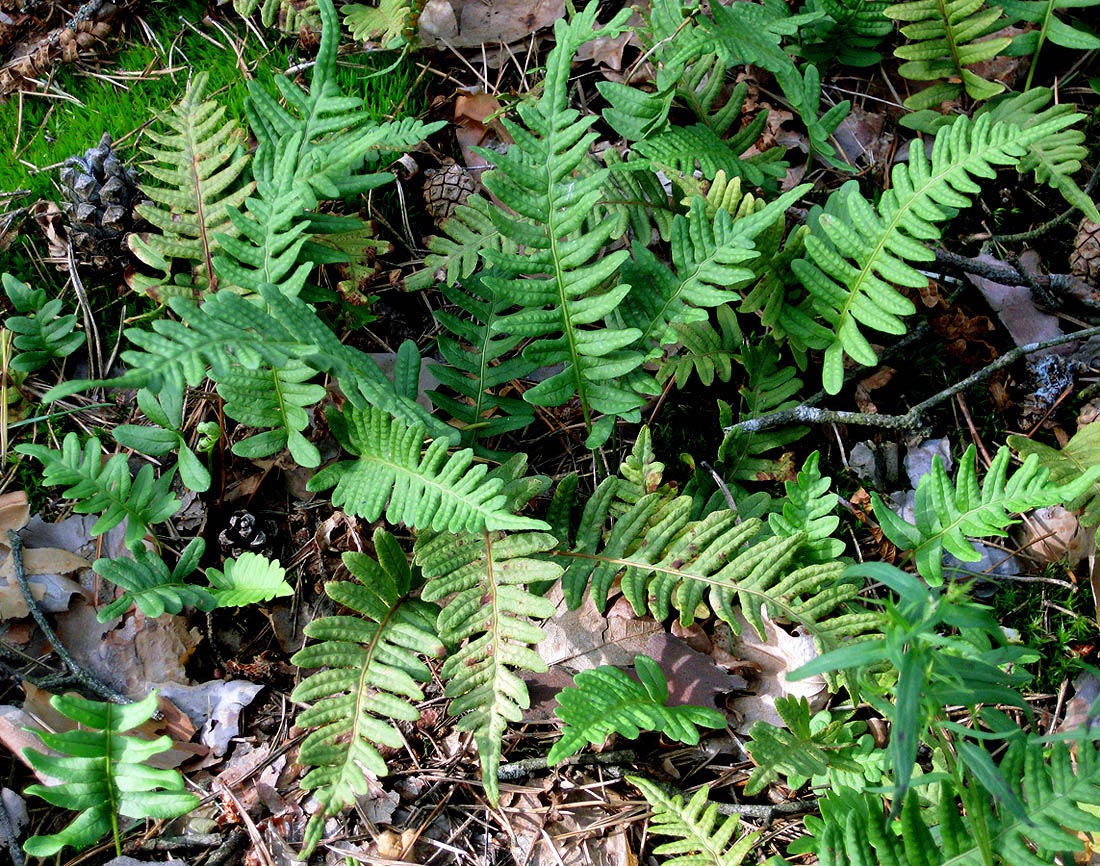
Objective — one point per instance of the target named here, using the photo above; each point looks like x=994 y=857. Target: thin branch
x=79 y=674
x=1069 y=285
x=914 y=418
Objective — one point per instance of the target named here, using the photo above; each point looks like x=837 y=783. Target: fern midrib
x=956 y=524
x=559 y=278
x=112 y=788
x=362 y=692
x=194 y=156
x=417 y=476
x=688 y=280
x=949 y=35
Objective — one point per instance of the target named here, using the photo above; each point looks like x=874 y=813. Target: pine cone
x=1085 y=259
x=100 y=195
x=246 y=532
x=446 y=189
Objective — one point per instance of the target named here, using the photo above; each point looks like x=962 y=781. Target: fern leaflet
x=488 y=619
x=1075 y=460
x=606 y=700
x=249 y=579
x=106 y=488
x=42 y=333
x=706 y=351
x=371 y=677
x=700 y=840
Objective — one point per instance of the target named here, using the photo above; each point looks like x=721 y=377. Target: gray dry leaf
x=1016 y=309
x=773 y=659
x=467 y=23
x=215 y=706
x=584 y=638
x=46 y=571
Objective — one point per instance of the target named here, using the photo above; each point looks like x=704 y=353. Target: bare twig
x=914 y=418
x=78 y=673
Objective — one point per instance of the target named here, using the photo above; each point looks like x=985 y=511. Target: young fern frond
x=487 y=617
x=457 y=252
x=248 y=579
x=945 y=39
x=42 y=333
x=856 y=253
x=808 y=508
x=479 y=361
x=706 y=351
x=106 y=488
x=276 y=398
x=948 y=515
x=701 y=837
x=150 y=585
x=390 y=475
x=560 y=283
x=606 y=700
x=104 y=773
x=199 y=162
x=372 y=675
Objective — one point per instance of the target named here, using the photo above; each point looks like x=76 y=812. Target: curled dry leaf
x=46 y=572
x=1055 y=534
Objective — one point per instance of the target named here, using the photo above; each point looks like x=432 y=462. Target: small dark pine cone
x=446 y=189
x=100 y=194
x=246 y=532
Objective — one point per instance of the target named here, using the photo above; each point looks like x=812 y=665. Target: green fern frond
x=488 y=618
x=706 y=351
x=456 y=254
x=634 y=200
x=104 y=773
x=150 y=585
x=479 y=361
x=42 y=333
x=707 y=254
x=276 y=398
x=605 y=700
x=1055 y=783
x=800 y=751
x=1054 y=159
x=948 y=515
x=164 y=435
x=390 y=475
x=685 y=149
x=770 y=386
x=560 y=282
x=850 y=34
x=1051 y=27
x=390 y=22
x=1075 y=460
x=946 y=37
x=249 y=579
x=199 y=162
x=808 y=508
x=106 y=488
x=371 y=677
x=856 y=253
x=291 y=16
x=700 y=840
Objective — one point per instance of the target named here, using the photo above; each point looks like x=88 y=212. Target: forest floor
x=225 y=676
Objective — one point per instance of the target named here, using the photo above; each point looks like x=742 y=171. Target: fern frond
x=770 y=386
x=856 y=253
x=634 y=199
x=1056 y=786
x=605 y=700
x=150 y=585
x=808 y=508
x=431 y=490
x=685 y=149
x=276 y=398
x=945 y=39
x=199 y=162
x=166 y=437
x=488 y=618
x=706 y=351
x=849 y=34
x=42 y=333
x=1075 y=460
x=249 y=579
x=106 y=488
x=800 y=751
x=456 y=254
x=1054 y=159
x=291 y=16
x=560 y=282
x=104 y=773
x=479 y=361
x=700 y=839
x=371 y=677
x=948 y=515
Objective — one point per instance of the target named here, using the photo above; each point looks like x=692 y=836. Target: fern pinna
x=606 y=700
x=856 y=253
x=372 y=674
